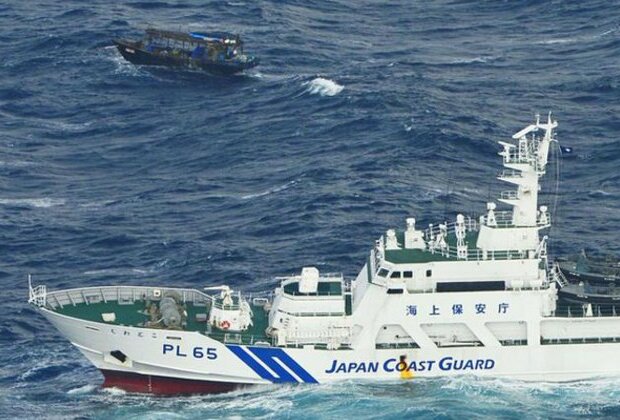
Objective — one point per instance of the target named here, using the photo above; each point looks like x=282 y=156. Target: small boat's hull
x=587 y=293
x=133 y=53
x=584 y=270
x=576 y=276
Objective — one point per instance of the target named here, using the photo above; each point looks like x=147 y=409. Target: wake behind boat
x=216 y=53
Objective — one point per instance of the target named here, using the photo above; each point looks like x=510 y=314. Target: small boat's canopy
x=196 y=37
x=225 y=38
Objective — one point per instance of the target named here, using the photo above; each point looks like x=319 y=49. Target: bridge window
x=395 y=291
x=471 y=286
x=429 y=273
x=408 y=274
x=395 y=275
x=383 y=272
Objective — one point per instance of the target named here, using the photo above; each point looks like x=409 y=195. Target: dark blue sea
x=361 y=114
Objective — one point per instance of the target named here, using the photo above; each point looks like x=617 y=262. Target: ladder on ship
x=556 y=275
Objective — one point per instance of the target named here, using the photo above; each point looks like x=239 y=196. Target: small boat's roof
x=603 y=266
x=200 y=37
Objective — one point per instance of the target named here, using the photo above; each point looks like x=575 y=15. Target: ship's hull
x=180 y=362
x=163 y=385
x=136 y=55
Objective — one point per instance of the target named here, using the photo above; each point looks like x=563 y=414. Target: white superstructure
x=466 y=296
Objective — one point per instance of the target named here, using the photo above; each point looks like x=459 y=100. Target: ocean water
x=361 y=114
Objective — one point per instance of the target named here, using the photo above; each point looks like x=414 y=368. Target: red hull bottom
x=135 y=382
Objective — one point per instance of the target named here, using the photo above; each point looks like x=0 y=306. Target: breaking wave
x=323 y=87
x=270 y=191
x=578 y=38
x=116 y=272
x=479 y=59
x=85 y=389
x=32 y=202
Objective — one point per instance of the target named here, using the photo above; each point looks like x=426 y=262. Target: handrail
x=556 y=275
x=477 y=254
x=313 y=294
x=510 y=173
x=131 y=293
x=37 y=295
x=471 y=225
x=284 y=280
x=508 y=195
x=121 y=294
x=503 y=219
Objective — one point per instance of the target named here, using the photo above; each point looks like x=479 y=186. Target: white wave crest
x=122 y=66
x=97 y=204
x=114 y=391
x=116 y=272
x=479 y=59
x=576 y=39
x=31 y=371
x=269 y=191
x=15 y=164
x=48 y=124
x=323 y=87
x=409 y=127
x=33 y=202
x=86 y=389
x=600 y=193
x=558 y=41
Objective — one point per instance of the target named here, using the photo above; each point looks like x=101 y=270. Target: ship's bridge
x=446 y=257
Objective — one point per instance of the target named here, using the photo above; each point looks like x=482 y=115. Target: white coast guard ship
x=471 y=296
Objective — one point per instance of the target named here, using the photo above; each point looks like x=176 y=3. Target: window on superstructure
x=395 y=275
x=383 y=272
x=429 y=273
x=408 y=274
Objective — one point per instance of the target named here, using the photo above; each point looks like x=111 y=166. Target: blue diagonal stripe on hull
x=267 y=355
x=272 y=357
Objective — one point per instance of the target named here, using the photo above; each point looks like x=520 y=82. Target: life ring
x=224 y=325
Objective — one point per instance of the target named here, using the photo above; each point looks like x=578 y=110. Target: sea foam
x=323 y=87
x=33 y=202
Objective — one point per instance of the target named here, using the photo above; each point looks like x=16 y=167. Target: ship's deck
x=134 y=313
x=417 y=256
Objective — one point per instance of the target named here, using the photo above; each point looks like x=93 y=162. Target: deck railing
x=508 y=195
x=130 y=294
x=241 y=339
x=476 y=254
x=37 y=295
x=121 y=294
x=583 y=311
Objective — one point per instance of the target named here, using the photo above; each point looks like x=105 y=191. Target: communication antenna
x=447 y=200
x=558 y=175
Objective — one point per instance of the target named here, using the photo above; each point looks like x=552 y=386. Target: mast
x=525 y=163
